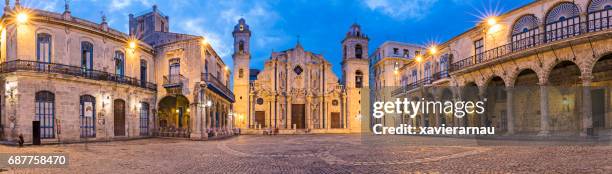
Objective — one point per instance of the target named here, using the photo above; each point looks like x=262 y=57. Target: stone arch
x=589 y=64
x=597 y=70
x=513 y=74
x=548 y=68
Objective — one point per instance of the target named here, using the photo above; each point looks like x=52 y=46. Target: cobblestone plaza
x=327 y=154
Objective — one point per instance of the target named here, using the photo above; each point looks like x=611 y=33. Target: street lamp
x=22 y=17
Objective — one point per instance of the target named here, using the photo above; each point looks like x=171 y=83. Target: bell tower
x=242 y=57
x=355 y=71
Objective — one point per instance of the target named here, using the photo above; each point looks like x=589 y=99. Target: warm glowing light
x=188 y=110
x=204 y=41
x=22 y=17
x=208 y=103
x=177 y=111
x=227 y=68
x=132 y=44
x=495 y=28
x=433 y=49
x=396 y=72
x=491 y=21
x=419 y=58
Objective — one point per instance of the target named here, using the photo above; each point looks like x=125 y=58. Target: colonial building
x=543 y=69
x=297 y=91
x=83 y=81
x=386 y=62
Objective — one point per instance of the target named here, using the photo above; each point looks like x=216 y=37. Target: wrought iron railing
x=174 y=80
x=556 y=31
x=411 y=86
x=440 y=75
x=211 y=79
x=43 y=67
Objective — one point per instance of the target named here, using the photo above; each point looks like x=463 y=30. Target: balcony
x=217 y=86
x=412 y=86
x=174 y=80
x=558 y=31
x=43 y=67
x=440 y=75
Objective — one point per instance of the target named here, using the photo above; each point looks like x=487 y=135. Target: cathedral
x=297 y=91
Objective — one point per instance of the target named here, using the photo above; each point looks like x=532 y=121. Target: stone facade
x=85 y=81
x=542 y=67
x=297 y=91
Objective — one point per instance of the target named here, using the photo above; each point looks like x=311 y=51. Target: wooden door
x=298 y=116
x=260 y=118
x=119 y=117
x=336 y=122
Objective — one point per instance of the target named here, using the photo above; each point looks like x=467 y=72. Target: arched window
x=144 y=119
x=43 y=48
x=599 y=12
x=524 y=32
x=240 y=73
x=562 y=21
x=358 y=79
x=358 y=51
x=88 y=116
x=241 y=46
x=119 y=63
x=86 y=55
x=45 y=113
x=427 y=71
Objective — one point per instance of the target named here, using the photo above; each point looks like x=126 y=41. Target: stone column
x=544 y=119
x=195 y=119
x=510 y=109
x=344 y=112
x=587 y=112
x=482 y=94
x=308 y=113
x=288 y=115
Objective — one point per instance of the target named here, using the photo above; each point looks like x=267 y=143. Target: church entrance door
x=335 y=120
x=298 y=116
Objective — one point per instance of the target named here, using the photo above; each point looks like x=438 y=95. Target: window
x=427 y=70
x=86 y=55
x=143 y=72
x=241 y=46
x=358 y=79
x=240 y=73
x=43 y=48
x=141 y=25
x=395 y=51
x=119 y=63
x=45 y=113
x=414 y=76
x=417 y=52
x=175 y=67
x=344 y=52
x=358 y=51
x=88 y=116
x=144 y=119
x=406 y=53
x=478 y=50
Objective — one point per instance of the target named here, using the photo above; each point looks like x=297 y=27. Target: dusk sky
x=321 y=24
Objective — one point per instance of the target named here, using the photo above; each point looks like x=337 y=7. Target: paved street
x=327 y=154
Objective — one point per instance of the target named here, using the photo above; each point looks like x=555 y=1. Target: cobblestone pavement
x=327 y=154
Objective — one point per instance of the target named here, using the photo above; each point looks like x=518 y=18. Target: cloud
x=401 y=9
x=116 y=5
x=259 y=15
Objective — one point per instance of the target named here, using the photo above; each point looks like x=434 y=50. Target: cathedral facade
x=297 y=91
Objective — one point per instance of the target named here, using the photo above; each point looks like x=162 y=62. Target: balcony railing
x=218 y=85
x=43 y=67
x=411 y=86
x=174 y=80
x=440 y=75
x=556 y=31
